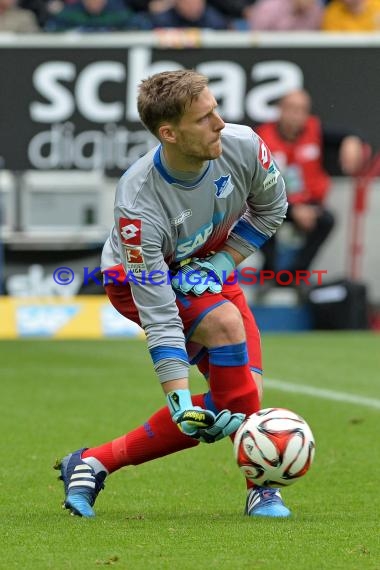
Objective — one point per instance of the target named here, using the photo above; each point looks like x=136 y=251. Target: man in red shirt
x=297 y=143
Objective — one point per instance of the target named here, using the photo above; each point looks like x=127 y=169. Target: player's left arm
x=266 y=205
x=266 y=210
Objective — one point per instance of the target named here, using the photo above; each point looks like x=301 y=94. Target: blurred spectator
x=15 y=19
x=352 y=16
x=38 y=7
x=234 y=10
x=270 y=15
x=297 y=142
x=190 y=14
x=231 y=8
x=96 y=16
x=149 y=5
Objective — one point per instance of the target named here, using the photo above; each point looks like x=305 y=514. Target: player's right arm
x=140 y=240
x=141 y=250
x=140 y=246
x=266 y=202
x=266 y=209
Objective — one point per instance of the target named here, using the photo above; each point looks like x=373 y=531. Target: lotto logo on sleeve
x=264 y=154
x=130 y=231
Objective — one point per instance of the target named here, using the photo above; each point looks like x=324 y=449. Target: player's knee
x=226 y=325
x=221 y=326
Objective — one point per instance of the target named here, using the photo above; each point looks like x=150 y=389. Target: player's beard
x=195 y=151
x=217 y=145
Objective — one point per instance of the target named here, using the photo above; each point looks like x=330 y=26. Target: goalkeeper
x=208 y=196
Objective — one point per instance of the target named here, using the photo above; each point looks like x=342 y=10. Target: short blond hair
x=166 y=96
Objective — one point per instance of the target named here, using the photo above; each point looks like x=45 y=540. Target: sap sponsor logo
x=181 y=217
x=224 y=186
x=271 y=177
x=114 y=324
x=130 y=231
x=35 y=283
x=191 y=244
x=46 y=320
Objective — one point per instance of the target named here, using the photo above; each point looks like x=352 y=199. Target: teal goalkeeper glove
x=188 y=418
x=202 y=275
x=199 y=423
x=225 y=424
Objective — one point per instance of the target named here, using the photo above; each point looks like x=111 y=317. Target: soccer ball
x=274 y=447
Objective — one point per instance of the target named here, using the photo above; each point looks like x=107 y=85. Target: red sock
x=231 y=381
x=232 y=387
x=159 y=436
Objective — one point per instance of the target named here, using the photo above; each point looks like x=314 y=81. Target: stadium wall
x=74 y=104
x=72 y=112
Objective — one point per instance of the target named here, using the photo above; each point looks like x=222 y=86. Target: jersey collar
x=168 y=177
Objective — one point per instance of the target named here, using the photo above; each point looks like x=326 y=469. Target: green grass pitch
x=185 y=511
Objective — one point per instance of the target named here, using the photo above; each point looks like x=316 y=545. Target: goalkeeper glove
x=189 y=418
x=202 y=275
x=225 y=424
x=199 y=423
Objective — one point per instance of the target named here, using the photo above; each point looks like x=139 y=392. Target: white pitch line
x=322 y=393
